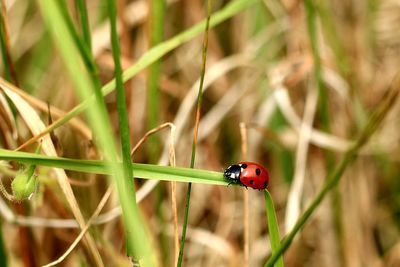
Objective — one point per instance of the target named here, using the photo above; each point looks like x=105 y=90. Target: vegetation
x=117 y=119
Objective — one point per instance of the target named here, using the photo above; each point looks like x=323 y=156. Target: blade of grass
x=151 y=56
x=376 y=118
x=98 y=118
x=145 y=171
x=83 y=48
x=195 y=132
x=273 y=227
x=139 y=246
x=157 y=14
x=84 y=21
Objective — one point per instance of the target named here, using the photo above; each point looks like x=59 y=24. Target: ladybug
x=247 y=174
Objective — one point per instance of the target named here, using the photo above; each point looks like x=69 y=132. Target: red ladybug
x=247 y=174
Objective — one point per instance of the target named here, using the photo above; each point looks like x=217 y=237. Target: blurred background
x=298 y=79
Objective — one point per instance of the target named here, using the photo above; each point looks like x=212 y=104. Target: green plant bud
x=24 y=185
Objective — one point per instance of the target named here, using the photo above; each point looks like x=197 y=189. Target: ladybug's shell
x=254 y=175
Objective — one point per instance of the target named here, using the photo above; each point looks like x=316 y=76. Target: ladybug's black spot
x=251 y=181
x=244 y=166
x=265 y=184
x=258 y=171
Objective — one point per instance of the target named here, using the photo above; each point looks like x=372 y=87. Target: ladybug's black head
x=232 y=173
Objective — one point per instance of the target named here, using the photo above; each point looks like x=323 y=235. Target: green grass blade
x=84 y=20
x=121 y=99
x=376 y=118
x=273 y=227
x=83 y=47
x=156 y=23
x=145 y=171
x=156 y=53
x=139 y=246
x=157 y=15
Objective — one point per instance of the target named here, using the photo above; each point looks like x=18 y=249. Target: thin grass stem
x=84 y=21
x=195 y=132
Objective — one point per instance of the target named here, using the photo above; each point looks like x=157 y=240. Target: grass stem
x=195 y=132
x=157 y=14
x=84 y=21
